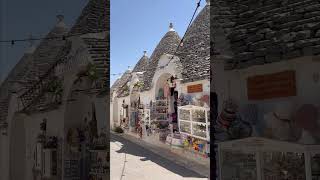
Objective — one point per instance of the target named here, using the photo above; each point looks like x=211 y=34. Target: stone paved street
x=130 y=161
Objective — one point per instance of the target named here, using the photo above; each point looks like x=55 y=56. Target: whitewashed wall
x=307 y=89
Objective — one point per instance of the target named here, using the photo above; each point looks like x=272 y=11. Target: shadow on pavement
x=136 y=150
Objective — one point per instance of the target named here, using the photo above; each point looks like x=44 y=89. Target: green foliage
x=55 y=87
x=138 y=84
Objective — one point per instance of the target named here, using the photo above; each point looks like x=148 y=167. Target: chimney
x=60 y=22
x=60 y=18
x=144 y=53
x=171 y=27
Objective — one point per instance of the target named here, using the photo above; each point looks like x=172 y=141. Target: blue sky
x=19 y=18
x=138 y=25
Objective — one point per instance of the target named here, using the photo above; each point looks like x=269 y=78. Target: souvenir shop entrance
x=166 y=106
x=135 y=105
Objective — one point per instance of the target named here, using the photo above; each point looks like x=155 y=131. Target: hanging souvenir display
x=229 y=124
x=227 y=115
x=306 y=119
x=166 y=89
x=73 y=140
x=281 y=165
x=205 y=99
x=315 y=167
x=238 y=165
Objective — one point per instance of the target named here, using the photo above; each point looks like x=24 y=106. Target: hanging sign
x=195 y=88
x=276 y=85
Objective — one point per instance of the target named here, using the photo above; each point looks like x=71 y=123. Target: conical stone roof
x=93 y=19
x=195 y=51
x=45 y=55
x=142 y=64
x=167 y=45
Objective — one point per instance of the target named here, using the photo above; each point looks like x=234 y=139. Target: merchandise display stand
x=256 y=158
x=161 y=109
x=99 y=168
x=146 y=117
x=194 y=121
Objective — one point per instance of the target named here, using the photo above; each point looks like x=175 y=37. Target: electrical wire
x=63 y=38
x=180 y=43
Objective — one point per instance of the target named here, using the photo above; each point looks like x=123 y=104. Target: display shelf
x=99 y=166
x=193 y=121
x=146 y=117
x=265 y=159
x=161 y=110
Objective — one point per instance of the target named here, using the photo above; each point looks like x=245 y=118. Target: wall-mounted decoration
x=195 y=88
x=230 y=125
x=276 y=85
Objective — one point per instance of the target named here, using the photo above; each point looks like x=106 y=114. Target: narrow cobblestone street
x=133 y=162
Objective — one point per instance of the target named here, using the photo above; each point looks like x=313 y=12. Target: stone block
x=254 y=38
x=260 y=44
x=261 y=52
x=292 y=54
x=273 y=57
x=318 y=33
x=244 y=56
x=316 y=50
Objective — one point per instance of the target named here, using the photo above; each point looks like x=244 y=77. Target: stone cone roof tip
x=167 y=45
x=60 y=22
x=171 y=27
x=142 y=63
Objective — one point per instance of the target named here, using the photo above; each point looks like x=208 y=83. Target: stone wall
x=266 y=31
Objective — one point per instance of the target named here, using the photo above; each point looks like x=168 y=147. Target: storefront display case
x=146 y=117
x=99 y=166
x=161 y=110
x=194 y=122
x=256 y=158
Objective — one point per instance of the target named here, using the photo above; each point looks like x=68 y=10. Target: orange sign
x=195 y=88
x=282 y=84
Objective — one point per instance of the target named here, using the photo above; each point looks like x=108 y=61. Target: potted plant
x=55 y=89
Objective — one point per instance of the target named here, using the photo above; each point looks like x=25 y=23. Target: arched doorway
x=80 y=128
x=167 y=93
x=17 y=147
